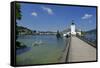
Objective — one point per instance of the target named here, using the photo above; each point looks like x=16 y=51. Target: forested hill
x=91 y=31
x=23 y=30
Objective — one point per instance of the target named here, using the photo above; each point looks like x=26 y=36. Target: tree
x=18 y=17
x=58 y=34
x=18 y=12
x=34 y=31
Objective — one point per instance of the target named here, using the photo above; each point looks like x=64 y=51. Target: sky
x=43 y=17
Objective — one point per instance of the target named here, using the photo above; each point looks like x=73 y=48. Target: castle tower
x=73 y=32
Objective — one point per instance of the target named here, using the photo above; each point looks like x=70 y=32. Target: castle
x=73 y=31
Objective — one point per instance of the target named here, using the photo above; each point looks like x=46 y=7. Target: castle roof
x=72 y=22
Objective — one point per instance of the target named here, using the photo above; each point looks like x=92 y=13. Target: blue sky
x=43 y=17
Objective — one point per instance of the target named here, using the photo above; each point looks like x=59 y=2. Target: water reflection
x=43 y=49
x=22 y=50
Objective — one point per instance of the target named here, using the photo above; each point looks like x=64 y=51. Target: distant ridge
x=23 y=30
x=91 y=31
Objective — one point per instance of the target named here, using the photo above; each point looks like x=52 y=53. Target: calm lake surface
x=41 y=49
x=91 y=37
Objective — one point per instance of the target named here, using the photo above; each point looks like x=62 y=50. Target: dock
x=78 y=51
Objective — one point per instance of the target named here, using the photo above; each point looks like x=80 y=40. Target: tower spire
x=72 y=22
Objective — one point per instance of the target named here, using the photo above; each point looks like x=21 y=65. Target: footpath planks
x=80 y=51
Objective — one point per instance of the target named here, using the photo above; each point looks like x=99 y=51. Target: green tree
x=34 y=31
x=18 y=17
x=58 y=34
x=18 y=11
x=83 y=33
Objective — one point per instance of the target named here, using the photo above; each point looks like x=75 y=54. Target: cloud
x=87 y=16
x=48 y=10
x=34 y=14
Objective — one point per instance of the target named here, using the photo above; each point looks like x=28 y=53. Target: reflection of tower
x=73 y=32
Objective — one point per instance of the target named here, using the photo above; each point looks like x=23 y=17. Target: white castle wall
x=73 y=32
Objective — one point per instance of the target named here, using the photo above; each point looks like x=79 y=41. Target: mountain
x=93 y=31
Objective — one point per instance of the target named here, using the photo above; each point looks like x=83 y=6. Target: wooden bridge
x=78 y=51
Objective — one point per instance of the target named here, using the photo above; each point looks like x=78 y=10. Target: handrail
x=87 y=41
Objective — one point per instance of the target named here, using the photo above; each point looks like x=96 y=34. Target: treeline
x=25 y=31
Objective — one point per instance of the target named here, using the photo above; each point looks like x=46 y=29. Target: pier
x=78 y=50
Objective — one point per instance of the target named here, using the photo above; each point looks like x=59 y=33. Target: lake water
x=91 y=37
x=41 y=49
